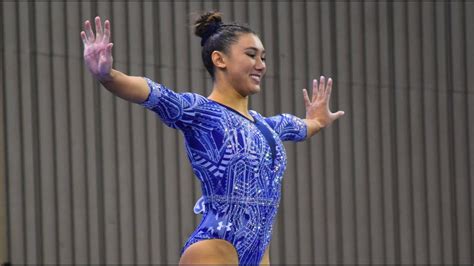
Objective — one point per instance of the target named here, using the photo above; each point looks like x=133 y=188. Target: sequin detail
x=240 y=173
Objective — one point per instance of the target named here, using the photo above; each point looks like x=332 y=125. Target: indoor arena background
x=87 y=178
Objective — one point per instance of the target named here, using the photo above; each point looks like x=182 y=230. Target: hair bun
x=207 y=25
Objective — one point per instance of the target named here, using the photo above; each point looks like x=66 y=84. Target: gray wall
x=90 y=178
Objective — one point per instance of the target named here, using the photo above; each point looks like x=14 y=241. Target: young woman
x=236 y=153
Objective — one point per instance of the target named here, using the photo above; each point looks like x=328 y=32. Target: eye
x=251 y=55
x=263 y=59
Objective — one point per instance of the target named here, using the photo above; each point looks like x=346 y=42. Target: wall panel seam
x=450 y=109
x=5 y=225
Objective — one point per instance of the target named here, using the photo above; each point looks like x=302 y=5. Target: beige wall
x=93 y=179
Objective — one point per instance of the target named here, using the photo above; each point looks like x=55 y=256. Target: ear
x=219 y=59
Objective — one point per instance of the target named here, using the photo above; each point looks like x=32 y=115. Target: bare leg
x=266 y=257
x=213 y=251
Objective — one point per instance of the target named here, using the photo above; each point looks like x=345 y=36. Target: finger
x=306 y=98
x=328 y=89
x=98 y=28
x=322 y=86
x=106 y=38
x=84 y=37
x=89 y=32
x=315 y=90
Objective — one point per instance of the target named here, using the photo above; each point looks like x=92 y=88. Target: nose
x=260 y=65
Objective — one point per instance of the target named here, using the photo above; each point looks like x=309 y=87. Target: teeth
x=255 y=77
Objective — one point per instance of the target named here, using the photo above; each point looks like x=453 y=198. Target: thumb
x=338 y=114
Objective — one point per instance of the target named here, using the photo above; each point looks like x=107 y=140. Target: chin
x=254 y=90
x=249 y=90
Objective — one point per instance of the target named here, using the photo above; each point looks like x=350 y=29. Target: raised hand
x=98 y=49
x=317 y=109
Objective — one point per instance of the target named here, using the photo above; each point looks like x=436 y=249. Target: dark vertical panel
x=240 y=13
x=61 y=126
x=374 y=130
x=141 y=227
x=38 y=243
x=93 y=150
x=382 y=78
x=402 y=108
x=46 y=118
x=443 y=141
x=27 y=136
x=94 y=164
x=267 y=36
x=389 y=147
x=287 y=206
x=122 y=115
x=318 y=191
x=415 y=87
x=107 y=141
x=343 y=86
x=197 y=83
x=226 y=8
x=170 y=141
x=181 y=71
x=431 y=134
x=460 y=142
x=331 y=170
x=255 y=20
x=359 y=103
x=450 y=130
x=301 y=176
x=183 y=82
x=4 y=225
x=469 y=42
x=157 y=247
x=271 y=86
x=211 y=5
x=13 y=145
x=80 y=230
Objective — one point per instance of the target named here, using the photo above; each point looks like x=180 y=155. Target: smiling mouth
x=256 y=78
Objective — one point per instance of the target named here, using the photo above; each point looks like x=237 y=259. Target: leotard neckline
x=235 y=111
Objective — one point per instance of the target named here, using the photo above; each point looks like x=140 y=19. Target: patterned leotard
x=239 y=162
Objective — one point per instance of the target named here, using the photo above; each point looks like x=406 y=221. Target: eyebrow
x=255 y=49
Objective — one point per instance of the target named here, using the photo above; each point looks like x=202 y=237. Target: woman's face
x=245 y=64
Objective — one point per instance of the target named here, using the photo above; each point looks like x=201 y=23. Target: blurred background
x=88 y=178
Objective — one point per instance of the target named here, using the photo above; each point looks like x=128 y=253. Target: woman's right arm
x=98 y=59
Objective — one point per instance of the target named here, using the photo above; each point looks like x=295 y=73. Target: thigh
x=210 y=251
x=266 y=257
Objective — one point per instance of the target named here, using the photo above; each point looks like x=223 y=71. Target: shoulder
x=194 y=98
x=256 y=114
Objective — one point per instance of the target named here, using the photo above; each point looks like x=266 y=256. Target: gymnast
x=236 y=153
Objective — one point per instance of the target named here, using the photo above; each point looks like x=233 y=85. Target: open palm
x=317 y=109
x=97 y=49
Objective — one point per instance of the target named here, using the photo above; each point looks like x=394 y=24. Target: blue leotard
x=239 y=162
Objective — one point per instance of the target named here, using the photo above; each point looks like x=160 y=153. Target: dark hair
x=216 y=36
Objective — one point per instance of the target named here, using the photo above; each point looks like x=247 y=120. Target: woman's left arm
x=318 y=115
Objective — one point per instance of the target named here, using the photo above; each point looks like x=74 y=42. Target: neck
x=226 y=94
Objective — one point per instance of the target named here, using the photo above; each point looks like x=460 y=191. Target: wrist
x=105 y=78
x=313 y=126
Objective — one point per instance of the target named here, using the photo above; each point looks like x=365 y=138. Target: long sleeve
x=288 y=127
x=176 y=110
